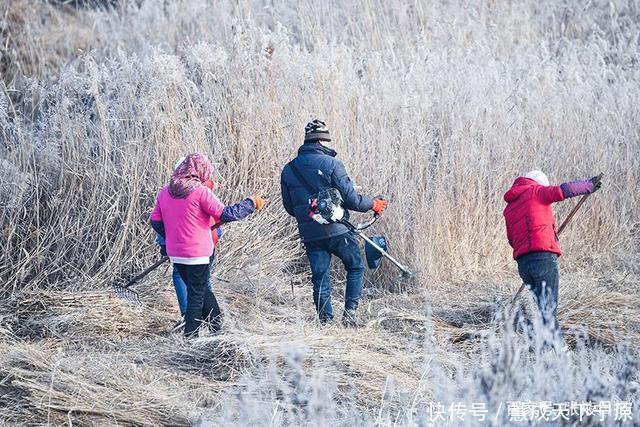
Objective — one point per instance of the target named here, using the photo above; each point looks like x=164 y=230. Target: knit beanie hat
x=316 y=130
x=539 y=177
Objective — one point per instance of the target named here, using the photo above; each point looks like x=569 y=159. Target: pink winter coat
x=187 y=224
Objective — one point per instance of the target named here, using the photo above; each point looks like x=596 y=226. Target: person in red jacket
x=531 y=231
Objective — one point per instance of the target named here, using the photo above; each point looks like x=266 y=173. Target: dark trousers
x=319 y=253
x=201 y=303
x=181 y=287
x=539 y=270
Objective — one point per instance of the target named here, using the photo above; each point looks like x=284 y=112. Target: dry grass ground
x=90 y=357
x=437 y=105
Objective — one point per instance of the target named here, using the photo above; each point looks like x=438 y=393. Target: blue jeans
x=539 y=270
x=181 y=290
x=319 y=253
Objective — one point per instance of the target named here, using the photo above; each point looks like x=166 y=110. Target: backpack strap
x=301 y=178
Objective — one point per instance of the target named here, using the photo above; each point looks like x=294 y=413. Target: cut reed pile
x=586 y=311
x=145 y=380
x=55 y=384
x=606 y=317
x=84 y=315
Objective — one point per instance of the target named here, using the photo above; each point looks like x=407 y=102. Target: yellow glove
x=258 y=202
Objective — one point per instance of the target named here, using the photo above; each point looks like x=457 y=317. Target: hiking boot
x=350 y=319
x=325 y=321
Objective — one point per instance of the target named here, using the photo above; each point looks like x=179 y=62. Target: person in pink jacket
x=182 y=215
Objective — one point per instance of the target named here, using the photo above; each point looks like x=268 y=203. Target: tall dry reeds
x=437 y=106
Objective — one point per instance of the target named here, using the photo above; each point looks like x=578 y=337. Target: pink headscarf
x=194 y=170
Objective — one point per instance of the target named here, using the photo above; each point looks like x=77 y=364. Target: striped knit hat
x=316 y=130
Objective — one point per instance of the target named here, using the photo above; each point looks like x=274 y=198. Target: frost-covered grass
x=91 y=358
x=437 y=106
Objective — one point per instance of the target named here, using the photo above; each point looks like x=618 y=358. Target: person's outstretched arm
x=238 y=211
x=580 y=187
x=558 y=193
x=221 y=213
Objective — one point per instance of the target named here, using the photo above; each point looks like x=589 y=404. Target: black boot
x=350 y=319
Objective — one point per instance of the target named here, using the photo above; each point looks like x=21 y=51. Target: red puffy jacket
x=530 y=223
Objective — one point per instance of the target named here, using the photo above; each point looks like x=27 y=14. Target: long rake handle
x=146 y=271
x=562 y=227
x=157 y=264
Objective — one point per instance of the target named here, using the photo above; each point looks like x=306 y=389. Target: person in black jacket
x=319 y=168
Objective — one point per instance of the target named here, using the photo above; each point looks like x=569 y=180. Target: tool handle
x=515 y=297
x=576 y=207
x=146 y=271
x=362 y=225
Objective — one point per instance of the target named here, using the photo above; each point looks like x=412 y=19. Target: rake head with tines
x=123 y=291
